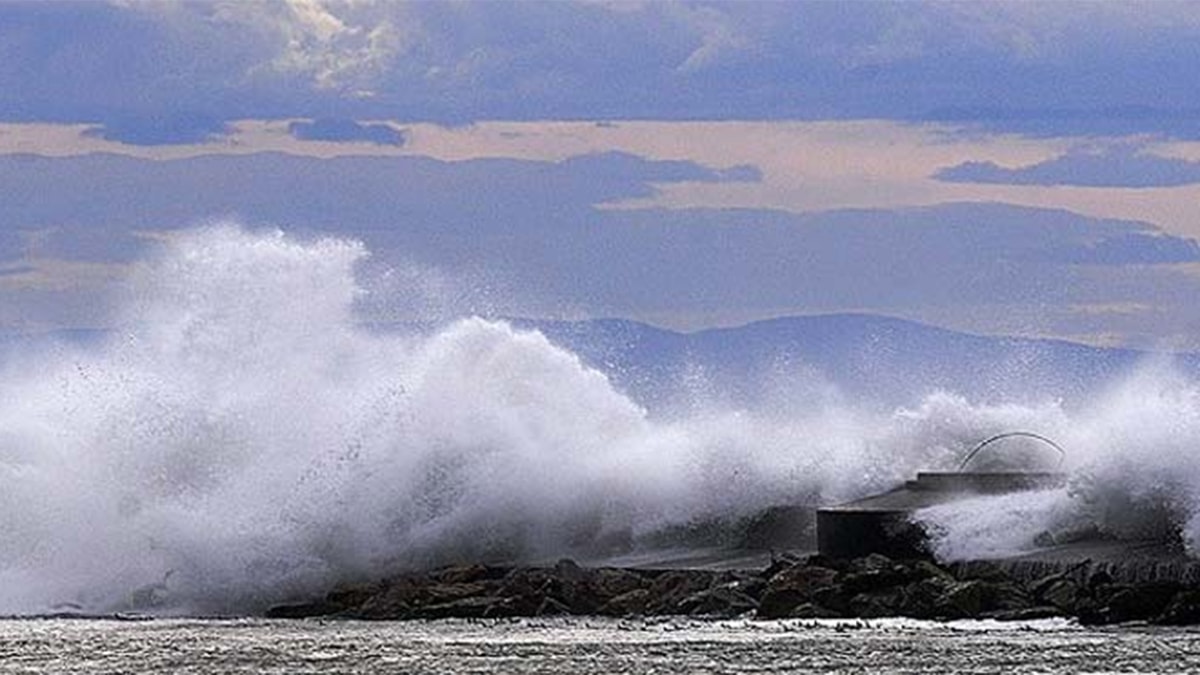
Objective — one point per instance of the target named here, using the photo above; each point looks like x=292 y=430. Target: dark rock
x=878 y=603
x=437 y=594
x=749 y=584
x=876 y=572
x=610 y=582
x=1136 y=602
x=792 y=587
x=524 y=581
x=669 y=589
x=349 y=598
x=925 y=599
x=628 y=604
x=632 y=603
x=511 y=607
x=468 y=607
x=722 y=601
x=833 y=598
x=1183 y=609
x=1060 y=592
x=568 y=570
x=811 y=610
x=872 y=586
x=819 y=560
x=1007 y=596
x=552 y=607
x=463 y=574
x=394 y=601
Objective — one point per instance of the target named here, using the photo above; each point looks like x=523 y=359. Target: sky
x=1026 y=168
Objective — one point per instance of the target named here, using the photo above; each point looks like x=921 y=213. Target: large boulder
x=1119 y=603
x=632 y=603
x=792 y=587
x=609 y=582
x=1183 y=609
x=723 y=601
x=669 y=589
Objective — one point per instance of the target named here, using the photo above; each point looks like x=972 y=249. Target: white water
x=243 y=441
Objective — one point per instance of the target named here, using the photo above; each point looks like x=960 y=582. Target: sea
x=587 y=645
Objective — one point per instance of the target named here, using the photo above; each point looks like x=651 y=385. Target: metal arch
x=1062 y=454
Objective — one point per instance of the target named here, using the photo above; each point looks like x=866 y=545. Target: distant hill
x=871 y=358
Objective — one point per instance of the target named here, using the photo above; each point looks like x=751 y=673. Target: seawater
x=577 y=646
x=240 y=439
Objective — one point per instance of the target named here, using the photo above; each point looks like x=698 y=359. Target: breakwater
x=813 y=587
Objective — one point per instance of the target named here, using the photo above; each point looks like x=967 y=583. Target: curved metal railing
x=1062 y=454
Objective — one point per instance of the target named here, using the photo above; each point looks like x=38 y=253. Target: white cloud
x=344 y=46
x=718 y=37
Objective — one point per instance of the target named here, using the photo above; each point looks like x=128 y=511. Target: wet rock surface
x=815 y=587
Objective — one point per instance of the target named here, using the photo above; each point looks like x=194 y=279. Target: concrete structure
x=882 y=523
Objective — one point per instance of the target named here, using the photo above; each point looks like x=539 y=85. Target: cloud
x=1131 y=248
x=336 y=46
x=345 y=130
x=1095 y=67
x=1109 y=166
x=165 y=129
x=540 y=229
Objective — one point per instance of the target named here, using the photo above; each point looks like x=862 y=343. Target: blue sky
x=1007 y=167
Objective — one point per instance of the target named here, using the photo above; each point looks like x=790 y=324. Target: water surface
x=573 y=645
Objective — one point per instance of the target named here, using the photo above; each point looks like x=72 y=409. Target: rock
x=524 y=581
x=469 y=607
x=811 y=610
x=719 y=601
x=792 y=587
x=751 y=585
x=568 y=570
x=1183 y=609
x=632 y=603
x=878 y=604
x=924 y=599
x=670 y=588
x=875 y=572
x=463 y=574
x=552 y=607
x=350 y=598
x=977 y=598
x=1006 y=596
x=610 y=582
x=395 y=600
x=1138 y=602
x=437 y=594
x=1060 y=592
x=514 y=606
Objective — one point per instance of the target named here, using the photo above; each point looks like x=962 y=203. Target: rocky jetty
x=815 y=587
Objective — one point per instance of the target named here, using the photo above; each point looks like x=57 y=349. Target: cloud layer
x=1111 y=166
x=541 y=231
x=1060 y=68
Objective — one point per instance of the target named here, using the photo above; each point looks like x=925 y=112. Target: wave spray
x=241 y=439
